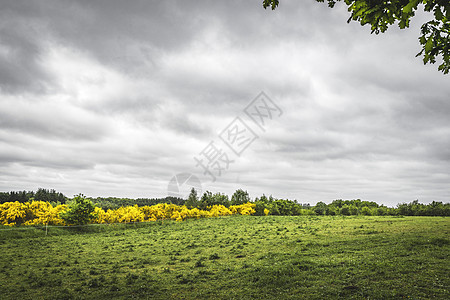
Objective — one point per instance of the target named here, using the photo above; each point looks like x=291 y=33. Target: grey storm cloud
x=20 y=52
x=113 y=98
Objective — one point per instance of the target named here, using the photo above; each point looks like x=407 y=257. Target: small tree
x=260 y=208
x=331 y=211
x=345 y=210
x=207 y=200
x=264 y=199
x=320 y=208
x=192 y=200
x=220 y=199
x=80 y=211
x=240 y=197
x=365 y=211
x=354 y=210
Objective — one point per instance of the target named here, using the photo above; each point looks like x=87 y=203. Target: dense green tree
x=4 y=197
x=282 y=207
x=240 y=197
x=261 y=204
x=19 y=196
x=40 y=195
x=320 y=208
x=49 y=196
x=259 y=208
x=438 y=209
x=407 y=209
x=415 y=208
x=380 y=14
x=382 y=210
x=192 y=200
x=331 y=211
x=206 y=200
x=345 y=210
x=79 y=212
x=263 y=199
x=366 y=211
x=209 y=199
x=220 y=199
x=354 y=210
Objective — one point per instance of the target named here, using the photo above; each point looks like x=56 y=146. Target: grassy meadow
x=237 y=257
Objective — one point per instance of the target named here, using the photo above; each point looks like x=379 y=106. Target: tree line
x=27 y=196
x=273 y=205
x=287 y=207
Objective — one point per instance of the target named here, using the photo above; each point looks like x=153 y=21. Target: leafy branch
x=380 y=14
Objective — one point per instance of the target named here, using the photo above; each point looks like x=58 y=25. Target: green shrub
x=80 y=211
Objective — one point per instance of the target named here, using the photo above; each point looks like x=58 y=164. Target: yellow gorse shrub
x=243 y=209
x=12 y=213
x=30 y=213
x=43 y=213
x=219 y=210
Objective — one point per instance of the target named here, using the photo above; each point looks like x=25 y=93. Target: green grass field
x=240 y=257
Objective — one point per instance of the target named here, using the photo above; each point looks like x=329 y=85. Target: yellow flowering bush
x=128 y=214
x=219 y=210
x=30 y=213
x=160 y=211
x=181 y=215
x=12 y=213
x=243 y=209
x=43 y=213
x=100 y=216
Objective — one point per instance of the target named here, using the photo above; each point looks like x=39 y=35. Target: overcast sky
x=115 y=98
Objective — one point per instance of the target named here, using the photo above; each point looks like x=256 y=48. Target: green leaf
x=438 y=13
x=409 y=7
x=422 y=40
x=429 y=44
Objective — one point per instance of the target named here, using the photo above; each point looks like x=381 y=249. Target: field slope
x=239 y=257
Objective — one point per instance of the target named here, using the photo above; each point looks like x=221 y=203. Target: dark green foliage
x=331 y=211
x=40 y=195
x=80 y=211
x=320 y=208
x=260 y=206
x=240 y=197
x=49 y=196
x=192 y=200
x=21 y=197
x=349 y=208
x=435 y=34
x=209 y=199
x=270 y=3
x=284 y=208
x=206 y=200
x=220 y=199
x=418 y=209
x=345 y=210
x=365 y=211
